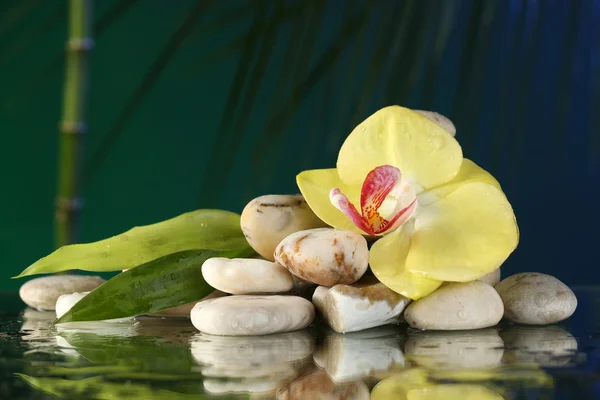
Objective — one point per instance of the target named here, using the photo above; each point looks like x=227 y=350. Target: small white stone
x=546 y=346
x=439 y=119
x=246 y=275
x=246 y=315
x=65 y=302
x=474 y=349
x=267 y=220
x=456 y=306
x=42 y=293
x=352 y=356
x=319 y=385
x=353 y=308
x=536 y=299
x=492 y=278
x=324 y=256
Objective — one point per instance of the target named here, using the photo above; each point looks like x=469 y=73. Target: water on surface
x=154 y=358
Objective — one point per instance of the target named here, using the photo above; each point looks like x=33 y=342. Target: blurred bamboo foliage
x=201 y=103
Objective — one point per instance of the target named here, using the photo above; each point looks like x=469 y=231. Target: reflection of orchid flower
x=414 y=384
x=442 y=217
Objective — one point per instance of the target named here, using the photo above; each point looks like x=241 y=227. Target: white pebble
x=536 y=299
x=492 y=278
x=456 y=306
x=439 y=119
x=324 y=256
x=42 y=293
x=267 y=220
x=246 y=275
x=353 y=308
x=246 y=315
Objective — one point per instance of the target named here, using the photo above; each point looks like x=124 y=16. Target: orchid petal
x=425 y=152
x=463 y=236
x=388 y=263
x=315 y=185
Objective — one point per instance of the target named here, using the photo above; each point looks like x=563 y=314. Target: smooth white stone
x=353 y=308
x=351 y=356
x=246 y=315
x=42 y=293
x=456 y=306
x=246 y=275
x=492 y=278
x=536 y=299
x=439 y=119
x=319 y=385
x=184 y=310
x=546 y=346
x=324 y=256
x=65 y=302
x=267 y=220
x=475 y=349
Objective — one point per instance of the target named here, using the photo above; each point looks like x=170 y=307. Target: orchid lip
x=384 y=184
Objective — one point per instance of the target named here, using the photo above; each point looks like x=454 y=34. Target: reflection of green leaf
x=200 y=229
x=139 y=352
x=95 y=388
x=160 y=284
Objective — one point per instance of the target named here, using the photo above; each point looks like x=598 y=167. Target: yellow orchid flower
x=441 y=217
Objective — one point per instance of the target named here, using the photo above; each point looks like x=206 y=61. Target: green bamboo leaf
x=98 y=388
x=167 y=282
x=200 y=229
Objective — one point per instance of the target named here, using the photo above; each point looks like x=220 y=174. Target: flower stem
x=73 y=125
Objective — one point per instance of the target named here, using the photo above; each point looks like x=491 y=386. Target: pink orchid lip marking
x=382 y=182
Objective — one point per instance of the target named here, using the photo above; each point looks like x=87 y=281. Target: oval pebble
x=456 y=306
x=246 y=275
x=267 y=220
x=245 y=315
x=536 y=299
x=324 y=256
x=42 y=293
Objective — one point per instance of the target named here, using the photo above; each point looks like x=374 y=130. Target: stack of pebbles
x=303 y=258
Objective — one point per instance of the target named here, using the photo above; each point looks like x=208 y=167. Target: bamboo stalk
x=73 y=125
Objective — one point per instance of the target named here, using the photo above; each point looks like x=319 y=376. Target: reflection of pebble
x=546 y=346
x=243 y=386
x=253 y=350
x=319 y=386
x=536 y=299
x=349 y=357
x=446 y=350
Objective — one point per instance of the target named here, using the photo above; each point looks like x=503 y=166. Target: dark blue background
x=209 y=104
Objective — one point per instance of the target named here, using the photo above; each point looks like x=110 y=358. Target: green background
x=209 y=104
